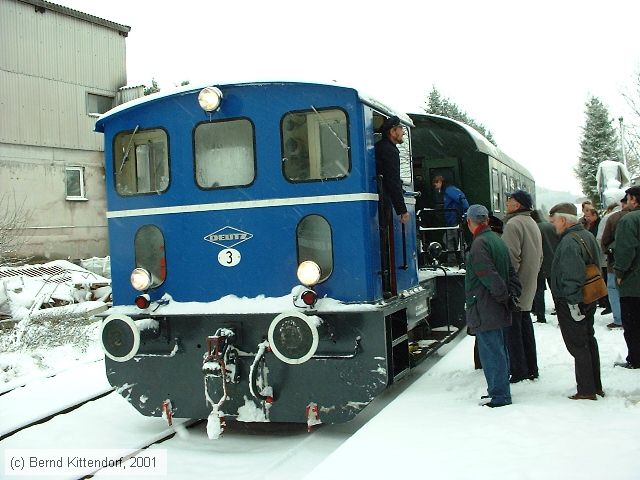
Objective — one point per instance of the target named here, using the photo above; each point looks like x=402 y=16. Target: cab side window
x=315 y=145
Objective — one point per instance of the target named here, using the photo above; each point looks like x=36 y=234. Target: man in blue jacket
x=489 y=282
x=455 y=204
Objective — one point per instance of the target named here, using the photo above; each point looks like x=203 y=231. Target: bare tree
x=14 y=218
x=631 y=135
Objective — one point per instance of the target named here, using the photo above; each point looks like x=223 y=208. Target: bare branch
x=14 y=219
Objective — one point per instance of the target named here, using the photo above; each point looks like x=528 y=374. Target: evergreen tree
x=439 y=105
x=599 y=143
x=153 y=88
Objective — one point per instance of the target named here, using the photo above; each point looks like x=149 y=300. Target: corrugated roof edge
x=54 y=7
x=193 y=88
x=483 y=145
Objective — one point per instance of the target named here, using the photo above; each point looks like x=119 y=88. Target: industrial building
x=59 y=70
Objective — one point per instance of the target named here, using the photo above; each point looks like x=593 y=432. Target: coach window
x=149 y=250
x=315 y=243
x=315 y=145
x=224 y=154
x=495 y=189
x=141 y=162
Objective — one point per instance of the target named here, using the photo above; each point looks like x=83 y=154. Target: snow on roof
x=57 y=271
x=70 y=12
x=185 y=89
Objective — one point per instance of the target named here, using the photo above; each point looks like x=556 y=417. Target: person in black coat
x=388 y=165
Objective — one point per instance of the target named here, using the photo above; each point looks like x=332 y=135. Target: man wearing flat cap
x=577 y=249
x=489 y=283
x=388 y=165
x=524 y=241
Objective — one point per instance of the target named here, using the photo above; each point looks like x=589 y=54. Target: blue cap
x=523 y=198
x=477 y=213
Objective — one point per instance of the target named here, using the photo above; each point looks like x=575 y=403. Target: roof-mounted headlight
x=210 y=99
x=309 y=273
x=141 y=279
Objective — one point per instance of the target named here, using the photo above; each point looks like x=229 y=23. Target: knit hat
x=568 y=208
x=523 y=198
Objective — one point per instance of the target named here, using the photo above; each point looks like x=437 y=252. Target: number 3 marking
x=229 y=257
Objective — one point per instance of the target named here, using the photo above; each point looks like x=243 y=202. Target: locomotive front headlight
x=140 y=279
x=309 y=273
x=210 y=99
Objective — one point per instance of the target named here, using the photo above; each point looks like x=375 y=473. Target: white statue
x=612 y=180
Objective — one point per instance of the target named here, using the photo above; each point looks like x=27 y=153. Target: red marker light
x=309 y=298
x=143 y=301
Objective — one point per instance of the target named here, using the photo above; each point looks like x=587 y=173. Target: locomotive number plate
x=229 y=257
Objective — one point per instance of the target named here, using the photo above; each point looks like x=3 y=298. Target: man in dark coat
x=388 y=165
x=524 y=241
x=607 y=242
x=488 y=280
x=627 y=269
x=550 y=240
x=577 y=249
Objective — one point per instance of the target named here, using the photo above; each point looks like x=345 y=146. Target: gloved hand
x=514 y=303
x=576 y=314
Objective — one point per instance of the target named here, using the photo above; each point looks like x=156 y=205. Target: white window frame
x=82 y=190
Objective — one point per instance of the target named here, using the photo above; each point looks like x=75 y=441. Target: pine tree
x=599 y=143
x=439 y=105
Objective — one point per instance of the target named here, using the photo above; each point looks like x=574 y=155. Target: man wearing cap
x=627 y=270
x=577 y=248
x=488 y=279
x=388 y=165
x=608 y=244
x=524 y=241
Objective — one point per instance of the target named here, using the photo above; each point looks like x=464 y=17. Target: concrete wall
x=56 y=227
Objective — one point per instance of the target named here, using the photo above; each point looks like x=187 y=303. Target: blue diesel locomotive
x=247 y=253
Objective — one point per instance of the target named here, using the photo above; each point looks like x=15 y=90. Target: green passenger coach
x=466 y=159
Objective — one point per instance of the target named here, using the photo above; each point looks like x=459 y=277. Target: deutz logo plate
x=228 y=237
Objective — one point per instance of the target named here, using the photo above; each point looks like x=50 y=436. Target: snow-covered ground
x=45 y=348
x=429 y=425
x=437 y=429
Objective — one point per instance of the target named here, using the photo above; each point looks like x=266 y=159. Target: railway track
x=45 y=398
x=60 y=411
x=246 y=451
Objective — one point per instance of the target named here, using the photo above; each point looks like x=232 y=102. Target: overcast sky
x=525 y=70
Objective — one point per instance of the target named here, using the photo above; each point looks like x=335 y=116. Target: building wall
x=49 y=62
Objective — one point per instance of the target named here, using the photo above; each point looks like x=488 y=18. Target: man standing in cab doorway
x=388 y=165
x=524 y=241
